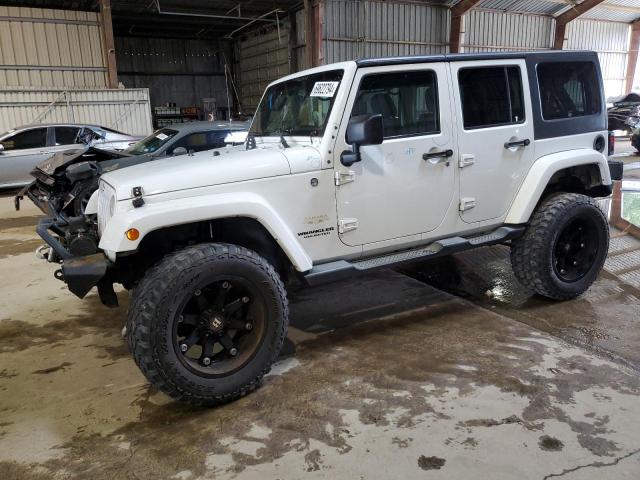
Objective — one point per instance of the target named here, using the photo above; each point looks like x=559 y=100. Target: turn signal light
x=132 y=234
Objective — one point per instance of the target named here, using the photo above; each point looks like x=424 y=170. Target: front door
x=496 y=135
x=405 y=185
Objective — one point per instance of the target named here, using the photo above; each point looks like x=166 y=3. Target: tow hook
x=45 y=252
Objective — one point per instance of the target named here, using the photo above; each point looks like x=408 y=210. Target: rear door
x=495 y=138
x=22 y=152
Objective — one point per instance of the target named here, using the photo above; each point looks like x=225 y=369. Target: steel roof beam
x=564 y=18
x=457 y=19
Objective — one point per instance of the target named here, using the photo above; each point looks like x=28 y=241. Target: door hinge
x=467 y=203
x=345 y=177
x=347 y=224
x=466 y=159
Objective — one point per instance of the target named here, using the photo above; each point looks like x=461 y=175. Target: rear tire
x=563 y=248
x=206 y=323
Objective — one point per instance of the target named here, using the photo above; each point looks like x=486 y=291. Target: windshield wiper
x=282 y=139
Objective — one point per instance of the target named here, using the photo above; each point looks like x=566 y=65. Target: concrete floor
x=446 y=371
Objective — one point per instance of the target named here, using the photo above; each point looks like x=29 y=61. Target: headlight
x=106 y=205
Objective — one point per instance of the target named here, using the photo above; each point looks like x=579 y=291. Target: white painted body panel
x=300 y=217
x=198 y=170
x=497 y=172
x=542 y=171
x=395 y=193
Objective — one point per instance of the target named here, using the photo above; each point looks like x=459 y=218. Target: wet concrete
x=386 y=377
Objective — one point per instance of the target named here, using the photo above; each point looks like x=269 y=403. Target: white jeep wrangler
x=347 y=168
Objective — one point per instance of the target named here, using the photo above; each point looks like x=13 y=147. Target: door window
x=66 y=135
x=408 y=102
x=34 y=138
x=491 y=96
x=568 y=89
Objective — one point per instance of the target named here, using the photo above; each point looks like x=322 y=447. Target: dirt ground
x=449 y=370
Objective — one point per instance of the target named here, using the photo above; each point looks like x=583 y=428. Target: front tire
x=564 y=247
x=207 y=322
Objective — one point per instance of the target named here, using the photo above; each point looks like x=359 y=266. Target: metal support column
x=109 y=44
x=632 y=58
x=457 y=18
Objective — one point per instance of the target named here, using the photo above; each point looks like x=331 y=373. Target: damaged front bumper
x=37 y=195
x=80 y=272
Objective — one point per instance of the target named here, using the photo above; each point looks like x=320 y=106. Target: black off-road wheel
x=563 y=248
x=206 y=323
x=81 y=200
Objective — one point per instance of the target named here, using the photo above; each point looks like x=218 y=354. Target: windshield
x=153 y=142
x=297 y=107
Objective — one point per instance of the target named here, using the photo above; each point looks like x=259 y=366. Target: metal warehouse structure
x=186 y=51
x=347 y=29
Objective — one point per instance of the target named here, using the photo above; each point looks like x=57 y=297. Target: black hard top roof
x=465 y=57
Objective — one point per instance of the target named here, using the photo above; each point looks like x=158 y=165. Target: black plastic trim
x=616 y=169
x=81 y=274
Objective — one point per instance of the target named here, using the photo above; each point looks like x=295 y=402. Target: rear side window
x=491 y=96
x=568 y=89
x=66 y=135
x=34 y=138
x=408 y=102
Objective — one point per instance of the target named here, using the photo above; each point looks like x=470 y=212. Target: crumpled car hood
x=199 y=170
x=61 y=160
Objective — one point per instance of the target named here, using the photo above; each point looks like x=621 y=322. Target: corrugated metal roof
x=530 y=6
x=600 y=13
x=619 y=11
x=624 y=3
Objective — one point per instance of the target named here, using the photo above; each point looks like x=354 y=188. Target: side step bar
x=340 y=269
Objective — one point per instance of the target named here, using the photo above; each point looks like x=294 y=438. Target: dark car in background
x=65 y=181
x=625 y=112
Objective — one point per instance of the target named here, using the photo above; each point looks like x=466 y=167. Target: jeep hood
x=199 y=170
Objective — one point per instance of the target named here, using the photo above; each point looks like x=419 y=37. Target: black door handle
x=517 y=143
x=444 y=153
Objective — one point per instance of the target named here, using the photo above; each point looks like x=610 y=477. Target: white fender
x=92 y=205
x=541 y=172
x=153 y=216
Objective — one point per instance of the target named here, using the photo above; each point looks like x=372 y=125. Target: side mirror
x=362 y=130
x=1 y=147
x=179 y=151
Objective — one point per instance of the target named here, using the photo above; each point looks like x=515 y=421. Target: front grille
x=106 y=205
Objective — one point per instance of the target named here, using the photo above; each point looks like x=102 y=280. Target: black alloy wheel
x=576 y=249
x=219 y=327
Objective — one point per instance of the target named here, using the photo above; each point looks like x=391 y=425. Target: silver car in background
x=22 y=148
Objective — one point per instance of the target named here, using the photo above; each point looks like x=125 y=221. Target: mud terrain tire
x=156 y=313
x=563 y=248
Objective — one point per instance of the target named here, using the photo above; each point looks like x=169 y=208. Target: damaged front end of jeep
x=72 y=243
